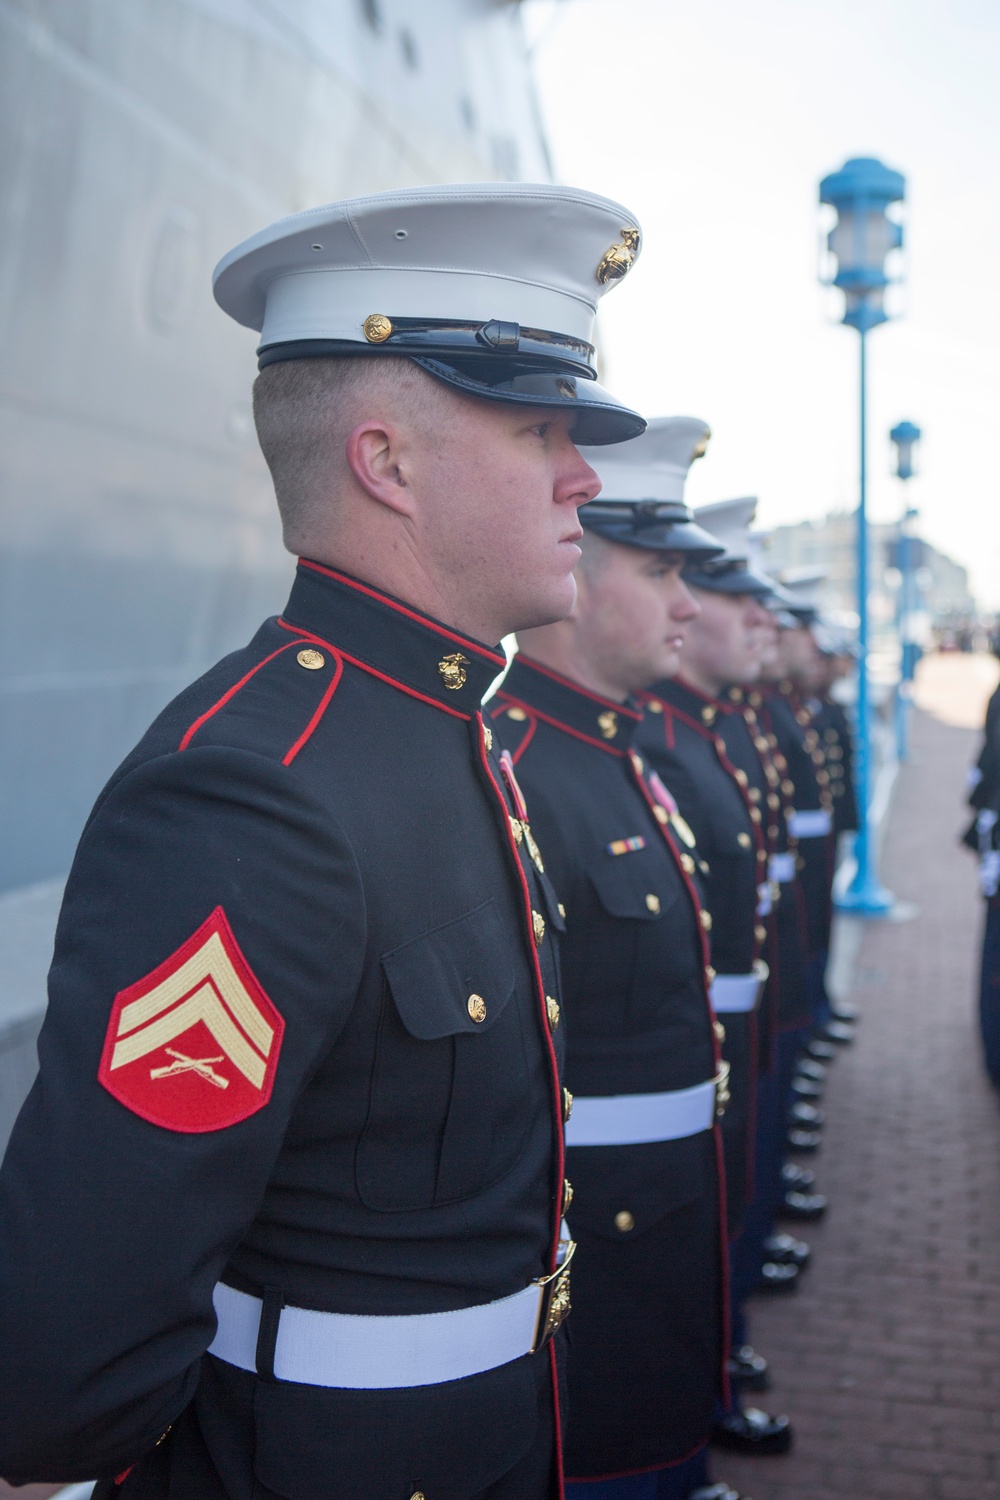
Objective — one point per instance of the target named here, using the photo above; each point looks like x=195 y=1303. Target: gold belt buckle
x=722 y=1094
x=553 y=1300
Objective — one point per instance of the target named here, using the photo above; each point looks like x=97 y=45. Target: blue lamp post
x=905 y=435
x=860 y=241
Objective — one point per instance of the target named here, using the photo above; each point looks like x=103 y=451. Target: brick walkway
x=888 y=1359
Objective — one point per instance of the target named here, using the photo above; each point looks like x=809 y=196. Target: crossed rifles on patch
x=184 y=1064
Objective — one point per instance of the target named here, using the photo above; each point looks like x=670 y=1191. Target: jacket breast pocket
x=451 y=1096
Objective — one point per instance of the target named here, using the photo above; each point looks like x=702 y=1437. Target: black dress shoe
x=806 y=1115
x=752 y=1431
x=808 y=1067
x=804 y=1140
x=717 y=1492
x=819 y=1049
x=802 y=1206
x=806 y=1088
x=776 y=1278
x=799 y=1178
x=748 y=1369
x=786 y=1250
x=837 y=1031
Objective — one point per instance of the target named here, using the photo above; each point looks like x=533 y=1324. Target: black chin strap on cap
x=655 y=525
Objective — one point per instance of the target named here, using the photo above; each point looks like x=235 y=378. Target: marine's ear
x=374 y=453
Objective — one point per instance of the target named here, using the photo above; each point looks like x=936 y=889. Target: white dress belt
x=634 y=1119
x=731 y=993
x=814 y=823
x=781 y=867
x=353 y=1351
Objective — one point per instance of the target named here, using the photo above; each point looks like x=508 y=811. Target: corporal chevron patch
x=194 y=1046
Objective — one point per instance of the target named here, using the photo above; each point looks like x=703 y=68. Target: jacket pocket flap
x=627 y=887
x=454 y=979
x=619 y=1192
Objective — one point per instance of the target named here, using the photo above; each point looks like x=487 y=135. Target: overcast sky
x=713 y=121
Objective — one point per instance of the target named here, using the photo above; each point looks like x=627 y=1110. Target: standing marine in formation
x=648 y=1340
x=282 y=1213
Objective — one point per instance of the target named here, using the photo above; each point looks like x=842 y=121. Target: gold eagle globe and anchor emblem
x=607 y=722
x=452 y=669
x=619 y=258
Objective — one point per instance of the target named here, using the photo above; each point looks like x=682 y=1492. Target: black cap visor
x=732 y=577
x=555 y=379
x=656 y=526
x=600 y=419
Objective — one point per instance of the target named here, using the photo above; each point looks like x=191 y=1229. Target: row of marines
x=397 y=991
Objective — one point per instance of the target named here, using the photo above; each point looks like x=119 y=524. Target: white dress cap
x=487 y=284
x=532 y=254
x=655 y=465
x=732 y=573
x=641 y=503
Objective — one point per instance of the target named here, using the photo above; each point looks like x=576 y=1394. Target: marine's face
x=633 y=611
x=800 y=658
x=726 y=642
x=507 y=482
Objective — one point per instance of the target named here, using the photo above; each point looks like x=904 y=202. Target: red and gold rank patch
x=194 y=1046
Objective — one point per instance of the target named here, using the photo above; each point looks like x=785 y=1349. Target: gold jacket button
x=567 y=1193
x=538 y=924
x=705 y=918
x=487 y=738
x=744 y=840
x=760 y=933
x=517 y=829
x=552 y=1006
x=477 y=1007
x=655 y=706
x=561 y=910
x=567 y=1105
x=653 y=904
x=720 y=1032
x=687 y=864
x=517 y=714
x=624 y=1221
x=311 y=660
x=417 y=1495
x=660 y=814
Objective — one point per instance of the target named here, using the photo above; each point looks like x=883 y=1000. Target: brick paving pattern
x=887 y=1358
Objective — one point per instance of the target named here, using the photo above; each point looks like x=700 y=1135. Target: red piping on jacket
x=230 y=693
x=363 y=588
x=363 y=666
x=619 y=708
x=536 y=713
x=553 y=1066
x=321 y=709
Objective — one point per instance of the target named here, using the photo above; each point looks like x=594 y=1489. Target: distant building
x=829 y=543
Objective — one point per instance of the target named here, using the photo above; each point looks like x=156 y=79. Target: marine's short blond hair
x=304 y=410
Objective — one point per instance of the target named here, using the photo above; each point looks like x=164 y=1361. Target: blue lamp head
x=905 y=435
x=863 y=235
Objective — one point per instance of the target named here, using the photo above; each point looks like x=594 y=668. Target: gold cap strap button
x=477 y=1007
x=376 y=328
